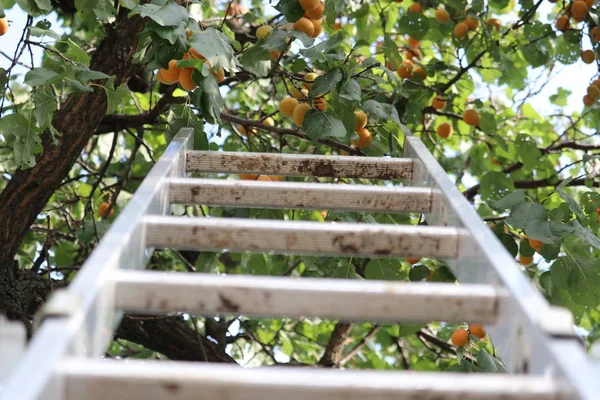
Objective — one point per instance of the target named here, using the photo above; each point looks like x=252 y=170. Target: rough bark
x=28 y=191
x=335 y=347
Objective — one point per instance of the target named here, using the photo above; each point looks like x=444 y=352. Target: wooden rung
x=167 y=380
x=302 y=237
x=300 y=165
x=350 y=300
x=318 y=196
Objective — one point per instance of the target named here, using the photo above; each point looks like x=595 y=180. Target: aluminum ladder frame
x=535 y=341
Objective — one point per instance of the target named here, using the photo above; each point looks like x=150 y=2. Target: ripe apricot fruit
x=460 y=30
x=525 y=260
x=438 y=103
x=477 y=330
x=593 y=91
x=364 y=138
x=185 y=79
x=596 y=83
x=460 y=337
x=590 y=3
x=263 y=31
x=103 y=210
x=413 y=261
x=309 y=79
x=248 y=177
x=219 y=75
x=269 y=121
x=562 y=23
x=588 y=56
x=318 y=28
x=317 y=13
x=361 y=120
x=263 y=178
x=287 y=106
x=245 y=131
x=471 y=117
x=169 y=76
x=595 y=34
x=416 y=7
x=274 y=54
x=442 y=15
x=495 y=22
x=3 y=26
x=320 y=103
x=588 y=101
x=444 y=130
x=309 y=5
x=472 y=23
x=405 y=70
x=579 y=9
x=299 y=113
x=535 y=244
x=413 y=43
x=413 y=53
x=337 y=26
x=420 y=71
x=305 y=25
x=296 y=93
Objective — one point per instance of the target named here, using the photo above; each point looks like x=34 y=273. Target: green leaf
x=350 y=90
x=39 y=32
x=488 y=123
x=76 y=53
x=45 y=105
x=213 y=45
x=24 y=138
x=83 y=74
x=130 y=4
x=319 y=125
x=487 y=363
x=291 y=9
x=384 y=269
x=256 y=60
x=526 y=212
x=585 y=234
x=509 y=201
x=414 y=24
x=390 y=50
x=114 y=95
x=35 y=7
x=166 y=13
x=39 y=76
x=580 y=276
x=418 y=272
x=495 y=185
x=528 y=152
x=325 y=83
x=381 y=110
x=573 y=205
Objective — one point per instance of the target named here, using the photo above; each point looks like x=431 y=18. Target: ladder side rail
x=519 y=336
x=84 y=313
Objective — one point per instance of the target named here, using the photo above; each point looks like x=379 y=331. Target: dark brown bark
x=172 y=337
x=335 y=347
x=28 y=191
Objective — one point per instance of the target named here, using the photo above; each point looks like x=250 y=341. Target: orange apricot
x=219 y=75
x=413 y=261
x=593 y=91
x=169 y=76
x=305 y=25
x=299 y=113
x=438 y=103
x=525 y=260
x=460 y=337
x=3 y=26
x=472 y=23
x=562 y=23
x=442 y=15
x=460 y=30
x=309 y=5
x=287 y=105
x=471 y=117
x=361 y=120
x=444 y=130
x=364 y=139
x=420 y=71
x=317 y=28
x=416 y=7
x=494 y=22
x=103 y=211
x=317 y=13
x=595 y=34
x=588 y=101
x=477 y=330
x=185 y=79
x=320 y=103
x=535 y=244
x=413 y=53
x=588 y=56
x=248 y=177
x=579 y=9
x=413 y=43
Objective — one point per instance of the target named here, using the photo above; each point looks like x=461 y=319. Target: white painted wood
x=316 y=196
x=300 y=237
x=352 y=300
x=163 y=380
x=300 y=165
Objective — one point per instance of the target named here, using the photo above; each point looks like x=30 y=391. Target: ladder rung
x=302 y=237
x=300 y=195
x=154 y=380
x=300 y=165
x=350 y=300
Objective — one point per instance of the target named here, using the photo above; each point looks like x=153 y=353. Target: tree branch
x=335 y=346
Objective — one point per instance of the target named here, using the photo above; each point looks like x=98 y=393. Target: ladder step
x=300 y=165
x=154 y=380
x=349 y=300
x=300 y=195
x=302 y=237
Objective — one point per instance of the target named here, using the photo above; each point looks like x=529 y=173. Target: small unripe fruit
x=169 y=76
x=438 y=103
x=460 y=337
x=3 y=26
x=309 y=5
x=364 y=138
x=361 y=120
x=416 y=7
x=318 y=28
x=471 y=117
x=579 y=9
x=317 y=13
x=442 y=15
x=563 y=24
x=588 y=56
x=299 y=113
x=477 y=330
x=444 y=130
x=287 y=105
x=472 y=23
x=185 y=79
x=310 y=77
x=460 y=30
x=588 y=101
x=103 y=211
x=263 y=31
x=305 y=25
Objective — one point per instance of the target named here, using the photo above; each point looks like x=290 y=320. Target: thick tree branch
x=335 y=346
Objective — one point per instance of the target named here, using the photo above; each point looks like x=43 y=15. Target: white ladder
x=535 y=340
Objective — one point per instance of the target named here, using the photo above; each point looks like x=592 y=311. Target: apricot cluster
x=408 y=69
x=310 y=23
x=175 y=74
x=460 y=337
x=593 y=93
x=364 y=136
x=297 y=106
